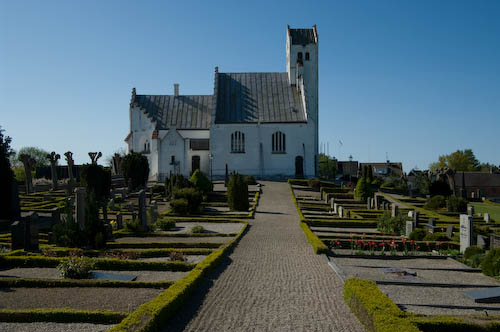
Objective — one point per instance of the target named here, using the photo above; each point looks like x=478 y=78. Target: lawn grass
x=493 y=210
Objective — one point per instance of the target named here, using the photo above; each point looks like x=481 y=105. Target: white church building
x=264 y=124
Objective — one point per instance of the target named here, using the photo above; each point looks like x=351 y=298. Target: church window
x=172 y=160
x=237 y=142
x=299 y=56
x=278 y=142
x=307 y=56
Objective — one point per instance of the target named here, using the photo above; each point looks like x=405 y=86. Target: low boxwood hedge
x=44 y=283
x=61 y=316
x=471 y=323
x=318 y=245
x=133 y=245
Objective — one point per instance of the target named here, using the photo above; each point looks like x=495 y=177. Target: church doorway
x=299 y=167
x=195 y=163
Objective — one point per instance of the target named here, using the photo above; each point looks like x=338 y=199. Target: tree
x=327 y=167
x=135 y=169
x=460 y=160
x=363 y=189
x=237 y=193
x=38 y=154
x=6 y=177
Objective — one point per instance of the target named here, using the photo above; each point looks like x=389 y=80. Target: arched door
x=299 y=167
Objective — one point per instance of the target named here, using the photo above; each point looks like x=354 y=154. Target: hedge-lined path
x=272 y=281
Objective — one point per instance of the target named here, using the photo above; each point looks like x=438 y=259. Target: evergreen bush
x=158 y=189
x=418 y=234
x=388 y=224
x=456 y=204
x=363 y=189
x=135 y=169
x=491 y=263
x=6 y=178
x=179 y=206
x=473 y=250
x=76 y=267
x=133 y=225
x=192 y=196
x=436 y=202
x=197 y=229
x=165 y=224
x=434 y=237
x=67 y=233
x=439 y=187
x=201 y=182
x=237 y=193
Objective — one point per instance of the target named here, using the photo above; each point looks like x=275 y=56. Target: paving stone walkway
x=272 y=281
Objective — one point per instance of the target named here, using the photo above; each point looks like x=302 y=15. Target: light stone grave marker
x=470 y=211
x=142 y=209
x=466 y=231
x=409 y=227
x=487 y=217
x=394 y=210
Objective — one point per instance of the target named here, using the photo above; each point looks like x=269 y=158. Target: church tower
x=302 y=69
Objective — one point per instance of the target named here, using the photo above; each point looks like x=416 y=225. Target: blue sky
x=413 y=79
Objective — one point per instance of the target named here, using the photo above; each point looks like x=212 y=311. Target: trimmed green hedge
x=375 y=310
x=457 y=324
x=61 y=316
x=318 y=245
x=152 y=315
x=132 y=245
x=43 y=283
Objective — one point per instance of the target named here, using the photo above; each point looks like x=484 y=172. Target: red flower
x=404 y=240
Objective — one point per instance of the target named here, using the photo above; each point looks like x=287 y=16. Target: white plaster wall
x=298 y=137
x=142 y=129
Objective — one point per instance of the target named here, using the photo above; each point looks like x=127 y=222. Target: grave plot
x=158 y=257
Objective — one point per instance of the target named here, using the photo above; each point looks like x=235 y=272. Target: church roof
x=302 y=36
x=183 y=112
x=257 y=97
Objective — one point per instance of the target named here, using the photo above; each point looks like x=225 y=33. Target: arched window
x=307 y=56
x=237 y=142
x=278 y=142
x=299 y=56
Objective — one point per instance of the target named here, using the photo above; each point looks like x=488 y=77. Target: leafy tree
x=97 y=179
x=327 y=167
x=363 y=189
x=460 y=160
x=135 y=169
x=38 y=154
x=201 y=182
x=421 y=184
x=6 y=177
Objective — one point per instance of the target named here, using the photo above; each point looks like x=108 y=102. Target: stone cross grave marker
x=142 y=209
x=80 y=207
x=53 y=157
x=466 y=231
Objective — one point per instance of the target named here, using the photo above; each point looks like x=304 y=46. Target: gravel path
x=180 y=239
x=272 y=281
x=185 y=227
x=53 y=327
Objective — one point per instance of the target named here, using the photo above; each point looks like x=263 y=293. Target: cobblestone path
x=272 y=281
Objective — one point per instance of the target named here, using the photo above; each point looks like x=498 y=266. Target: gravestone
x=432 y=221
x=17 y=235
x=369 y=203
x=134 y=216
x=482 y=241
x=416 y=217
x=449 y=231
x=108 y=229
x=335 y=208
x=410 y=215
x=55 y=216
x=80 y=207
x=487 y=217
x=117 y=163
x=494 y=241
x=112 y=204
x=153 y=212
x=466 y=231
x=332 y=202
x=394 y=210
x=32 y=225
x=341 y=211
x=470 y=211
x=377 y=202
x=53 y=157
x=410 y=226
x=142 y=209
x=348 y=214
x=119 y=221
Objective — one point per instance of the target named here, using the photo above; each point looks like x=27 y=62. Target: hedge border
x=44 y=283
x=318 y=245
x=64 y=315
x=151 y=315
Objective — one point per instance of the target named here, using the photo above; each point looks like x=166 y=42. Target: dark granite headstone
x=449 y=231
x=119 y=221
x=32 y=225
x=17 y=235
x=487 y=295
x=482 y=241
x=432 y=221
x=494 y=241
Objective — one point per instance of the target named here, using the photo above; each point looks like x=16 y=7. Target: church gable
x=257 y=97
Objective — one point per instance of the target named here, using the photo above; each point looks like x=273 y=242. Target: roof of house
x=182 y=112
x=257 y=97
x=302 y=36
x=478 y=179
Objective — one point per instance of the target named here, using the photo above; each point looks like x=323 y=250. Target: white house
x=264 y=124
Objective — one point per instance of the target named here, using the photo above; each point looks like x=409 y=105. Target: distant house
x=477 y=184
x=349 y=167
x=382 y=170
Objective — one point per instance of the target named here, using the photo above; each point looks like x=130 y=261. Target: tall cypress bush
x=237 y=193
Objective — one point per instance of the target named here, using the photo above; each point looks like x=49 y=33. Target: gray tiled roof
x=254 y=97
x=302 y=36
x=478 y=179
x=185 y=112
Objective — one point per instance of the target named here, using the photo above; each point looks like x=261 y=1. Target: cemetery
x=68 y=254
x=433 y=269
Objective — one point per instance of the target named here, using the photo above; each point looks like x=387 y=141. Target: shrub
x=473 y=250
x=314 y=184
x=177 y=256
x=133 y=225
x=456 y=204
x=158 y=189
x=491 y=263
x=201 y=182
x=250 y=180
x=94 y=232
x=165 y=224
x=135 y=169
x=76 y=267
x=363 y=189
x=418 y=234
x=192 y=196
x=97 y=179
x=237 y=193
x=476 y=260
x=396 y=183
x=436 y=202
x=388 y=224
x=439 y=188
x=179 y=206
x=176 y=181
x=6 y=178
x=438 y=236
x=197 y=229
